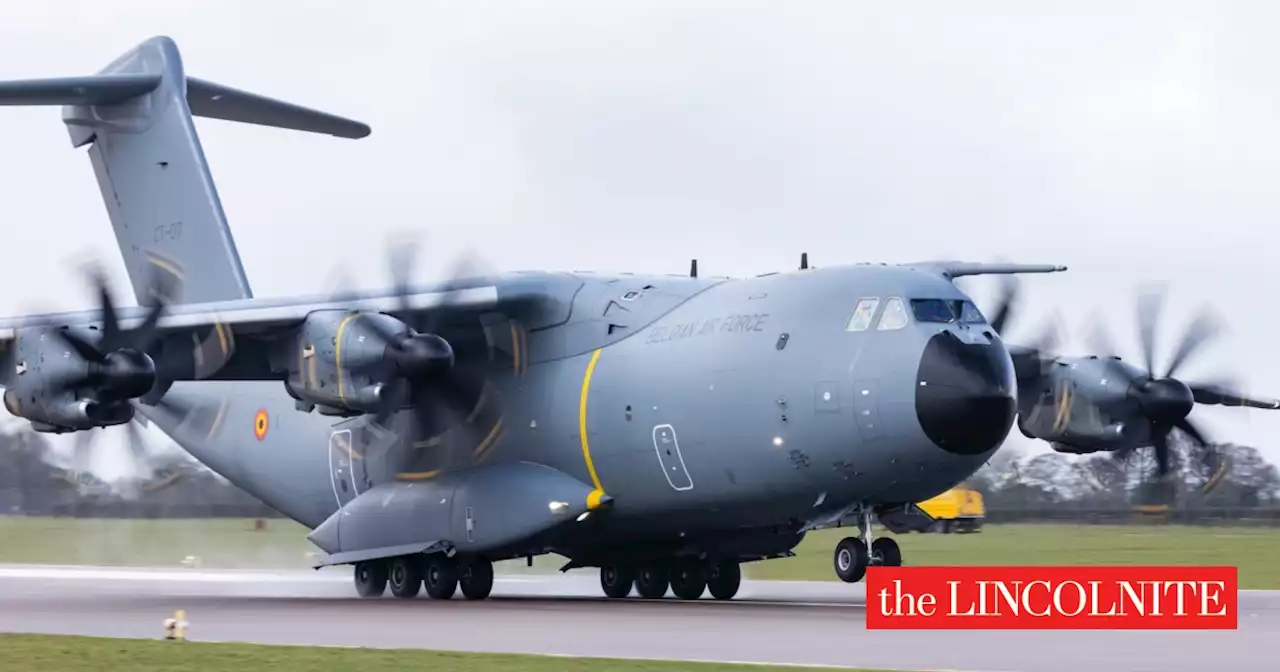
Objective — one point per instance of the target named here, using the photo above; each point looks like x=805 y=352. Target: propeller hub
x=421 y=355
x=1166 y=400
x=127 y=374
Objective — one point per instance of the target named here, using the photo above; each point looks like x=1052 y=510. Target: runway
x=809 y=623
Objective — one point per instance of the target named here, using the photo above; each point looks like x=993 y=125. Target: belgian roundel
x=260 y=424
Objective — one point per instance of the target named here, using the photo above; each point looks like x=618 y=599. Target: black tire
x=616 y=581
x=688 y=580
x=405 y=577
x=371 y=578
x=724 y=579
x=652 y=582
x=476 y=581
x=851 y=559
x=440 y=577
x=887 y=553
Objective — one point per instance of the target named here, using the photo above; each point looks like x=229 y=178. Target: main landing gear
x=854 y=554
x=687 y=578
x=440 y=576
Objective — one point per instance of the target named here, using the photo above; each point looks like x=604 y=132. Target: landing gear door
x=866 y=408
x=344 y=463
x=667 y=446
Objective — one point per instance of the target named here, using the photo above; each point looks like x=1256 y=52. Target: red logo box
x=1052 y=598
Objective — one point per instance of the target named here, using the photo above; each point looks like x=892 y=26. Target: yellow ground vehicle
x=959 y=509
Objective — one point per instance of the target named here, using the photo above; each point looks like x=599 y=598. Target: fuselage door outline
x=670 y=460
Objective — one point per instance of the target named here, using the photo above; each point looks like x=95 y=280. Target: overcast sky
x=1134 y=142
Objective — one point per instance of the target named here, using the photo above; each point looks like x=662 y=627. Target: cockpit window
x=862 y=314
x=895 y=315
x=946 y=311
x=969 y=313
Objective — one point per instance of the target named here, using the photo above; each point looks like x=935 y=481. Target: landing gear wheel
x=440 y=577
x=851 y=559
x=371 y=578
x=405 y=576
x=723 y=579
x=689 y=580
x=652 y=582
x=616 y=581
x=476 y=580
x=886 y=553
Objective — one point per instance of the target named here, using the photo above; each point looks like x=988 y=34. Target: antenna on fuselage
x=804 y=261
x=693 y=268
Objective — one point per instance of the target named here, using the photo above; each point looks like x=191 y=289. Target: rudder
x=137 y=116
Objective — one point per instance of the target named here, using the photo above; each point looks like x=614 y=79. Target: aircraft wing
x=541 y=297
x=956 y=269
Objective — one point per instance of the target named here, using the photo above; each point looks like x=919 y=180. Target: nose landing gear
x=854 y=554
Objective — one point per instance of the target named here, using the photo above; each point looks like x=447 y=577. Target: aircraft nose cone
x=964 y=394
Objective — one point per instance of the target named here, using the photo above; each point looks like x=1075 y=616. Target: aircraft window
x=862 y=314
x=895 y=315
x=932 y=310
x=969 y=313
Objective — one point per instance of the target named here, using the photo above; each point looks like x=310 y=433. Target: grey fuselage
x=706 y=408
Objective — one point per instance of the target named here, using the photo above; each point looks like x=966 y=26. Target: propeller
x=119 y=369
x=1165 y=401
x=1029 y=361
x=425 y=373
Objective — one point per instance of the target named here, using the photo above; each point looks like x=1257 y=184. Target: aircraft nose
x=965 y=394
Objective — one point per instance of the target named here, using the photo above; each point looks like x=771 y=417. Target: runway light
x=558 y=507
x=584 y=516
x=175 y=627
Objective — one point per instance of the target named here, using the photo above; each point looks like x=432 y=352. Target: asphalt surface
x=810 y=623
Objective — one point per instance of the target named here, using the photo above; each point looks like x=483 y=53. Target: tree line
x=1014 y=485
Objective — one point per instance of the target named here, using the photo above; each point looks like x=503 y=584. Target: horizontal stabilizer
x=110 y=89
x=956 y=269
x=215 y=101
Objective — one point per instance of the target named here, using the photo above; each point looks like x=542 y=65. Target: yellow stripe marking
x=1064 y=410
x=515 y=349
x=582 y=422
x=419 y=475
x=488 y=440
x=593 y=499
x=337 y=352
x=489 y=449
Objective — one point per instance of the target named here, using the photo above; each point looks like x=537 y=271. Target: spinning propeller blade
x=1165 y=401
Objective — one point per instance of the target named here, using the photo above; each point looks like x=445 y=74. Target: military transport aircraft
x=664 y=429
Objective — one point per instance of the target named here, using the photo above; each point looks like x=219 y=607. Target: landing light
x=777 y=440
x=558 y=507
x=584 y=516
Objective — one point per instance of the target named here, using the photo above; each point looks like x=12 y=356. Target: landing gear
x=724 y=579
x=405 y=574
x=885 y=553
x=689 y=579
x=853 y=554
x=371 y=578
x=851 y=559
x=440 y=576
x=616 y=581
x=477 y=579
x=652 y=581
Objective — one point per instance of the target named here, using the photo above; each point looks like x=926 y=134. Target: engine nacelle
x=344 y=362
x=67 y=413
x=1072 y=414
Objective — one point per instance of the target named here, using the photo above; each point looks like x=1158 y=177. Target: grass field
x=234 y=543
x=42 y=653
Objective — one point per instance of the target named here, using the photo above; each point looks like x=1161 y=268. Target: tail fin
x=137 y=116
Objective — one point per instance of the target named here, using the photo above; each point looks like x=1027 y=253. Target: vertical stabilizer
x=136 y=116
